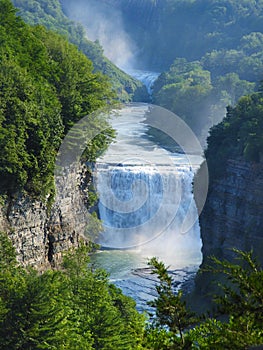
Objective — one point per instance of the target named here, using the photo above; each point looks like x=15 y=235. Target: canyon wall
x=232 y=216
x=39 y=234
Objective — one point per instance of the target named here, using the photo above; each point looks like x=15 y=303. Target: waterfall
x=144 y=209
x=146 y=194
x=146 y=77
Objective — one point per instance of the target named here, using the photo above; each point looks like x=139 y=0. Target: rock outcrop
x=232 y=217
x=233 y=213
x=41 y=235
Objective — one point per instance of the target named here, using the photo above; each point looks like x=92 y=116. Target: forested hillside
x=239 y=135
x=190 y=90
x=50 y=14
x=74 y=308
x=210 y=52
x=167 y=29
x=46 y=86
x=222 y=47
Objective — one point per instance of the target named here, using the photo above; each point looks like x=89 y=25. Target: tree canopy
x=240 y=304
x=210 y=53
x=46 y=86
x=239 y=135
x=51 y=15
x=74 y=308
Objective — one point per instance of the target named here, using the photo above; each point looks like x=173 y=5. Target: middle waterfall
x=146 y=194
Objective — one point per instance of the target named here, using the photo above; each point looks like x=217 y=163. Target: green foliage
x=229 y=88
x=50 y=14
x=241 y=303
x=185 y=90
x=98 y=145
x=171 y=309
x=77 y=308
x=31 y=130
x=238 y=135
x=74 y=308
x=47 y=85
x=79 y=90
x=110 y=316
x=220 y=45
x=159 y=339
x=241 y=300
x=244 y=295
x=188 y=90
x=193 y=28
x=222 y=42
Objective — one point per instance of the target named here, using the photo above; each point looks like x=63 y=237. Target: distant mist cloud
x=104 y=23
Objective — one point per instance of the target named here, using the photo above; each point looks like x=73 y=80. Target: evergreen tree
x=170 y=309
x=74 y=308
x=111 y=317
x=241 y=301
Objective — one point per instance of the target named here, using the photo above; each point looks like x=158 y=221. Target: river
x=145 y=195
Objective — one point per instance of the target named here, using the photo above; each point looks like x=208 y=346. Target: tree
x=36 y=311
x=252 y=43
x=238 y=135
x=47 y=85
x=241 y=300
x=11 y=276
x=230 y=88
x=170 y=309
x=12 y=290
x=185 y=90
x=110 y=316
x=51 y=15
x=73 y=308
x=243 y=295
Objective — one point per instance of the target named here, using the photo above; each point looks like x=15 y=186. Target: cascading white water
x=143 y=208
x=145 y=194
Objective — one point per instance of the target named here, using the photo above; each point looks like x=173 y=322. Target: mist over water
x=104 y=23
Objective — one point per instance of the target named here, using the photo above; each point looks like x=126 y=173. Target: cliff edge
x=233 y=213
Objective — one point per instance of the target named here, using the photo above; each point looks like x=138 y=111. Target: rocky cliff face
x=233 y=213
x=232 y=218
x=40 y=236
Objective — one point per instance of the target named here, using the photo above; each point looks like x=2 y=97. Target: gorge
x=117 y=228
x=232 y=216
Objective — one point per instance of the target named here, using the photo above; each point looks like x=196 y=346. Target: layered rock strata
x=41 y=235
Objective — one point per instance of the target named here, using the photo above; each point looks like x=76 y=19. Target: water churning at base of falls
x=145 y=198
x=143 y=208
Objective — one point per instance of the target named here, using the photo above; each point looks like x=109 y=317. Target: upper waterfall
x=146 y=77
